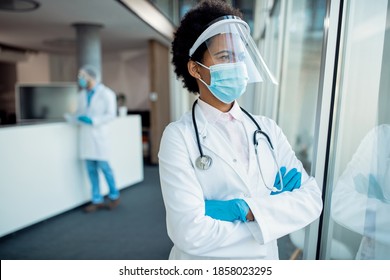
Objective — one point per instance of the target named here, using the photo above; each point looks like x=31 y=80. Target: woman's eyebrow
x=223 y=51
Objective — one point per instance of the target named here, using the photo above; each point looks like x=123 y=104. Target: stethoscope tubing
x=196 y=129
x=204 y=161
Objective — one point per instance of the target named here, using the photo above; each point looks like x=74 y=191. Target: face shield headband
x=228 y=40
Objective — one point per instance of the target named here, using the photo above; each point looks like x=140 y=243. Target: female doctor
x=230 y=181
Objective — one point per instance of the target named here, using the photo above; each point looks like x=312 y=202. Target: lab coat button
x=247 y=195
x=234 y=160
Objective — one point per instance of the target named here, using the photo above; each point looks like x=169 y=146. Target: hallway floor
x=135 y=230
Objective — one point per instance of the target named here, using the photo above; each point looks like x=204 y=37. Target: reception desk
x=41 y=174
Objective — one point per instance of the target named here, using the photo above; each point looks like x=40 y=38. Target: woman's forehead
x=226 y=41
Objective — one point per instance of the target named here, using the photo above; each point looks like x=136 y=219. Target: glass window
x=359 y=174
x=167 y=8
x=298 y=91
x=174 y=10
x=290 y=38
x=300 y=77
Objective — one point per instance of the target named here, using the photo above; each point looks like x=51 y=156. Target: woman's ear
x=193 y=69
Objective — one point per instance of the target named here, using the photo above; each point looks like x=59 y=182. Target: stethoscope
x=204 y=162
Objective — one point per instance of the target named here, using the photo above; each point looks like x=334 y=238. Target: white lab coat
x=102 y=109
x=353 y=208
x=185 y=188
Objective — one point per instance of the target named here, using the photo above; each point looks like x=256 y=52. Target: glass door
x=290 y=37
x=357 y=223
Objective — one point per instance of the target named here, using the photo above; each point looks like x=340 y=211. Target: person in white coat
x=96 y=107
x=230 y=181
x=361 y=198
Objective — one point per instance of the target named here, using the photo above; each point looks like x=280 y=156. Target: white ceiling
x=50 y=29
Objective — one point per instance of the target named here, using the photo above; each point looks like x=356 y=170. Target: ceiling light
x=18 y=5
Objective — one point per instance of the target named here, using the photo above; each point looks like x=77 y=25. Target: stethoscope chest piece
x=203 y=162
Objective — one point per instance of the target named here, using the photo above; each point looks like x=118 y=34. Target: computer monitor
x=45 y=101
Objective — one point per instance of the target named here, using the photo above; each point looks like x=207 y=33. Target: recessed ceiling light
x=18 y=5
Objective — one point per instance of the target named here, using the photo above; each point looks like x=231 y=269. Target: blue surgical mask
x=83 y=83
x=228 y=80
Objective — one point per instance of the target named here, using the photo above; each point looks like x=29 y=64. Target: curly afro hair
x=191 y=26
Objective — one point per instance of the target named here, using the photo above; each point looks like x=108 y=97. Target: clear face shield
x=228 y=40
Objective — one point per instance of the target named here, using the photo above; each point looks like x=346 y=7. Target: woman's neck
x=213 y=101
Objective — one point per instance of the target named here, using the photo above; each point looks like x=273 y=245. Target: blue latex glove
x=227 y=210
x=374 y=189
x=85 y=119
x=369 y=187
x=291 y=180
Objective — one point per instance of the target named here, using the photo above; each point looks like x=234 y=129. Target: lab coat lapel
x=95 y=96
x=211 y=139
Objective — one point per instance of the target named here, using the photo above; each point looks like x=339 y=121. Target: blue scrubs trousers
x=92 y=167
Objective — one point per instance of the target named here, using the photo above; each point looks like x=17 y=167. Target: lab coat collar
x=211 y=139
x=95 y=91
x=212 y=114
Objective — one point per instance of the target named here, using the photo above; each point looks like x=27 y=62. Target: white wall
x=41 y=174
x=128 y=73
x=34 y=70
